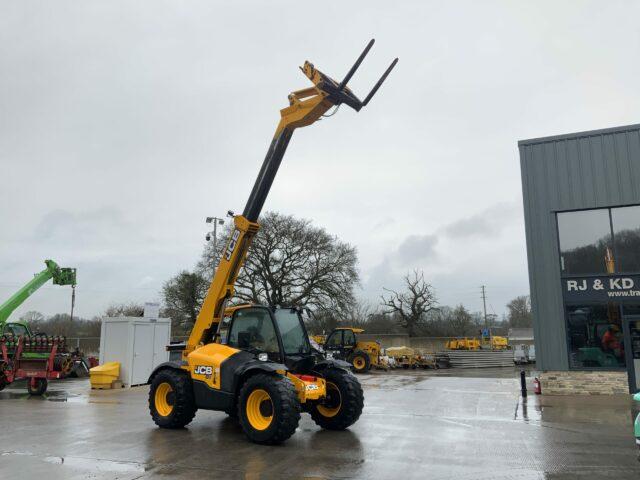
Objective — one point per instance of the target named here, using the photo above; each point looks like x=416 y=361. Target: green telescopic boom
x=60 y=276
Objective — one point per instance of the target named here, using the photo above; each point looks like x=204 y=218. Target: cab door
x=335 y=344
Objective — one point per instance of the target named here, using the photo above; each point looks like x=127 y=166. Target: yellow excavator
x=256 y=362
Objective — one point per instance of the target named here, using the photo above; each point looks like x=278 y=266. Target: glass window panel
x=294 y=338
x=626 y=234
x=349 y=338
x=16 y=329
x=585 y=241
x=335 y=340
x=252 y=329
x=595 y=337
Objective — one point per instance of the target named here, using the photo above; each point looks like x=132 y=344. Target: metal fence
x=90 y=346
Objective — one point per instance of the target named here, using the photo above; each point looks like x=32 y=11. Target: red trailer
x=37 y=358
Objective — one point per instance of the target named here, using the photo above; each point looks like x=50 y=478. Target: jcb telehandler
x=256 y=362
x=35 y=357
x=343 y=343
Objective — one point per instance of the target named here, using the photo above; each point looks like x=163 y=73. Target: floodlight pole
x=216 y=221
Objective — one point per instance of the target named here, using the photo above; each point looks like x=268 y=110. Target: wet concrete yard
x=418 y=424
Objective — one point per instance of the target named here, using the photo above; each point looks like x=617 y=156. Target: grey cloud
x=415 y=248
x=64 y=224
x=488 y=223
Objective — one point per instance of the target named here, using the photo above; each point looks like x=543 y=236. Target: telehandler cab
x=256 y=362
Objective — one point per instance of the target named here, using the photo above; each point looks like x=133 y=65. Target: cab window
x=349 y=338
x=224 y=329
x=16 y=329
x=335 y=340
x=294 y=337
x=252 y=329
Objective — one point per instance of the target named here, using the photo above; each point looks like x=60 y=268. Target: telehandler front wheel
x=268 y=408
x=171 y=401
x=360 y=361
x=343 y=404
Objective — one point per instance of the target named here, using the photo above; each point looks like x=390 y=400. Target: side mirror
x=636 y=397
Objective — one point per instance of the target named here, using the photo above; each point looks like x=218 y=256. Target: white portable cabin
x=138 y=343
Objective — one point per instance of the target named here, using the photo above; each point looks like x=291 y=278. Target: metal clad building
x=588 y=170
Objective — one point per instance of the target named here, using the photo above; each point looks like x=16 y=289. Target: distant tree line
x=61 y=324
x=292 y=262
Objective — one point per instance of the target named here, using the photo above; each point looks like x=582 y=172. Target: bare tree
x=459 y=322
x=61 y=324
x=411 y=306
x=357 y=315
x=291 y=262
x=32 y=316
x=520 y=312
x=183 y=297
x=131 y=309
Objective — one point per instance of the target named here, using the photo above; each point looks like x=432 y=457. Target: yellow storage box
x=103 y=375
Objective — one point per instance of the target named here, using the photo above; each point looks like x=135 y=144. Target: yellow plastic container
x=102 y=375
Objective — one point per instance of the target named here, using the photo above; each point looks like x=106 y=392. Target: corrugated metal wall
x=593 y=169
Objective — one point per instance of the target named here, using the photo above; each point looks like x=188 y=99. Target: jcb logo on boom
x=232 y=244
x=203 y=370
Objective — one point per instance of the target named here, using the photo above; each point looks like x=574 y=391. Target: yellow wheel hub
x=259 y=409
x=164 y=399
x=359 y=363
x=333 y=403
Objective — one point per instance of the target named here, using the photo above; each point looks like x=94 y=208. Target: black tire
x=405 y=366
x=360 y=361
x=349 y=404
x=179 y=398
x=39 y=388
x=281 y=407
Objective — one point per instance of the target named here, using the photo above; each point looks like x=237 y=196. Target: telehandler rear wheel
x=268 y=408
x=343 y=404
x=360 y=361
x=171 y=401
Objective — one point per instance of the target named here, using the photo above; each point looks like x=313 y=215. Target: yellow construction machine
x=493 y=342
x=343 y=343
x=256 y=362
x=404 y=357
x=463 y=344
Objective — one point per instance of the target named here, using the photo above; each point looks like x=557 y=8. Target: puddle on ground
x=528 y=411
x=52 y=396
x=57 y=396
x=97 y=465
x=89 y=464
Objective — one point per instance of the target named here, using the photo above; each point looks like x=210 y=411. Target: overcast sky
x=124 y=124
